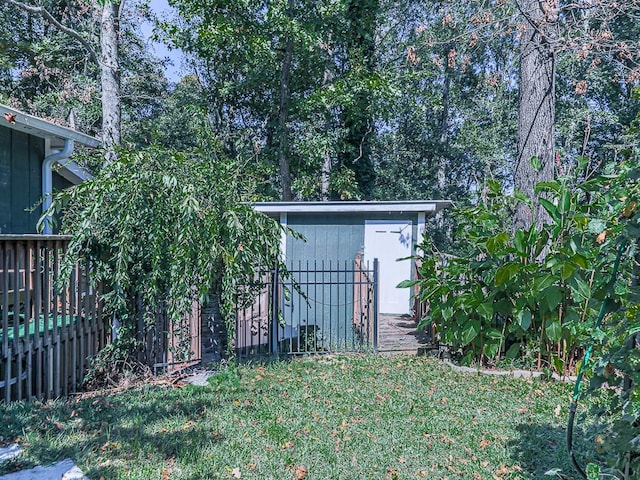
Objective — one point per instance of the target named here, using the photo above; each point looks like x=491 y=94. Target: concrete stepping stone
x=9 y=452
x=64 y=470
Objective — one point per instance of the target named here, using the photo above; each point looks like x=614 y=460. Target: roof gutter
x=47 y=180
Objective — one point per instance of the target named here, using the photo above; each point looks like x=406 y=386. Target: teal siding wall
x=336 y=237
x=327 y=301
x=333 y=237
x=21 y=158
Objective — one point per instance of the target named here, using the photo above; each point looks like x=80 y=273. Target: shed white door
x=388 y=240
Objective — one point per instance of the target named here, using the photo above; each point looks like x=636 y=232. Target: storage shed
x=343 y=275
x=35 y=159
x=338 y=231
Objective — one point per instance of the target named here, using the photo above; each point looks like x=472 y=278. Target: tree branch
x=120 y=10
x=51 y=19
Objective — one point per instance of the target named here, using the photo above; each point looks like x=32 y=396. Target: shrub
x=523 y=295
x=537 y=292
x=163 y=228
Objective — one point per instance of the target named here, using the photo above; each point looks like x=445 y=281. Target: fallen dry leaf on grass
x=166 y=472
x=629 y=209
x=301 y=472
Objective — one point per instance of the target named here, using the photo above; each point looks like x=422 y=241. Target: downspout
x=47 y=180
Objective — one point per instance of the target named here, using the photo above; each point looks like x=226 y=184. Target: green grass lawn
x=356 y=417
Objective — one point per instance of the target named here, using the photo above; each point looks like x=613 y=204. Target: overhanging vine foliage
x=163 y=228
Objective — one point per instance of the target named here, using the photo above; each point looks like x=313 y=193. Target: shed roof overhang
x=72 y=172
x=57 y=134
x=412 y=206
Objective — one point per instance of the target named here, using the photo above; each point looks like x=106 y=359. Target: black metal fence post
x=375 y=305
x=325 y=308
x=274 y=311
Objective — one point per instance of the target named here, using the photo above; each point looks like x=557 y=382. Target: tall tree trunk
x=327 y=160
x=283 y=114
x=362 y=16
x=325 y=175
x=110 y=78
x=444 y=134
x=536 y=114
x=443 y=147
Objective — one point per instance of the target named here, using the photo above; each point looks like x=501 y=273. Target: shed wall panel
x=329 y=237
x=332 y=242
x=335 y=237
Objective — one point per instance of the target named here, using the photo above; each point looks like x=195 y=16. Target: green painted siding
x=336 y=237
x=5 y=176
x=332 y=244
x=333 y=237
x=21 y=158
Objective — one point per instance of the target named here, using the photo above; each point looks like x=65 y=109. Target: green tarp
x=39 y=326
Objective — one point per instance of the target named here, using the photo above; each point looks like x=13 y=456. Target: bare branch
x=120 y=9
x=51 y=19
x=469 y=32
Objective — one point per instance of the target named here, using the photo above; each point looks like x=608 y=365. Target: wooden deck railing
x=49 y=325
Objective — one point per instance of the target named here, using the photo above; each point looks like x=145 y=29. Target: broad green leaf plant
x=530 y=297
x=523 y=295
x=615 y=375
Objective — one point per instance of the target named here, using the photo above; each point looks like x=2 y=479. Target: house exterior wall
x=21 y=158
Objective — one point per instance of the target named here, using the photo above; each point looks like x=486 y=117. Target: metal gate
x=316 y=307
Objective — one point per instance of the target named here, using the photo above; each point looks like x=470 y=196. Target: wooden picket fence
x=50 y=326
x=166 y=346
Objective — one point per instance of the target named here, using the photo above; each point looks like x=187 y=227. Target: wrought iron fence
x=317 y=307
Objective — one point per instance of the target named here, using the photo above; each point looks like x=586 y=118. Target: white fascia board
x=39 y=127
x=353 y=207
